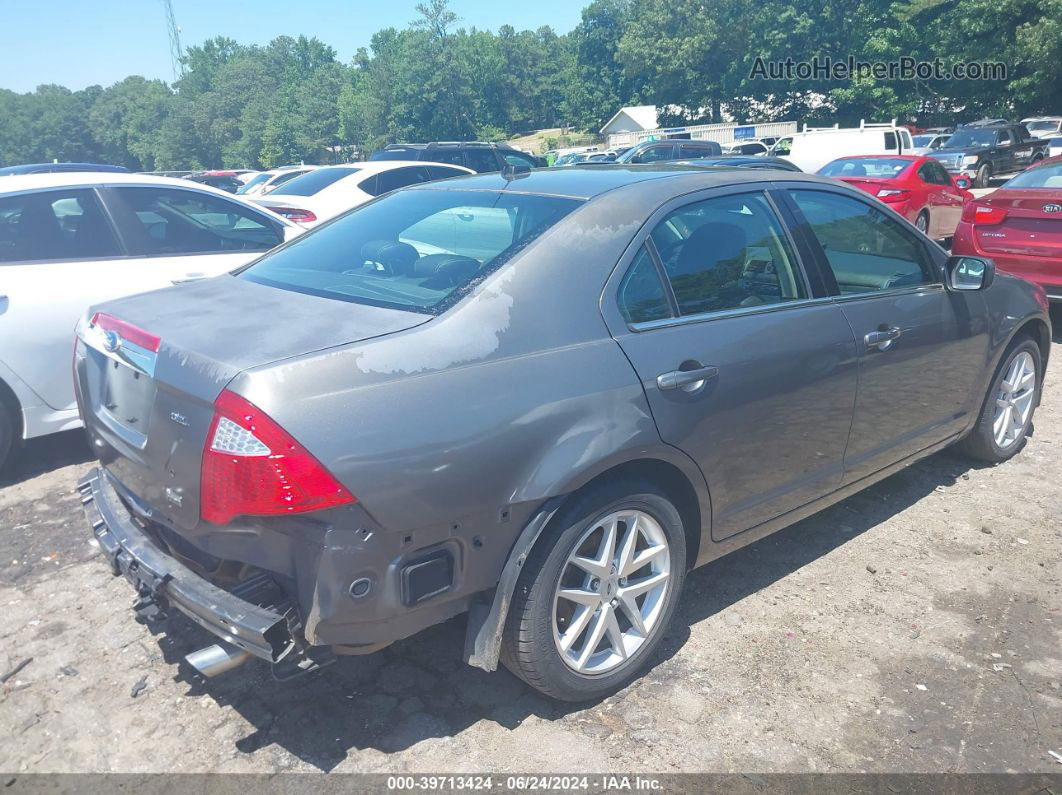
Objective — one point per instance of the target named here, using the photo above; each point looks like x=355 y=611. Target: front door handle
x=883 y=338
x=680 y=379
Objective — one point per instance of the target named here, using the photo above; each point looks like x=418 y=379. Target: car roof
x=35 y=168
x=586 y=182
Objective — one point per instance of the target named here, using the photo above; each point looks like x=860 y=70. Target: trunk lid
x=1028 y=230
x=148 y=412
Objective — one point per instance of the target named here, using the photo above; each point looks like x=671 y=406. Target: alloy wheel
x=611 y=592
x=1014 y=401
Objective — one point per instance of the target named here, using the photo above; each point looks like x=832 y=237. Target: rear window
x=418 y=250
x=315 y=181
x=873 y=167
x=1049 y=177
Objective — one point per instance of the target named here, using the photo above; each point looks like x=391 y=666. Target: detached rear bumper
x=161 y=580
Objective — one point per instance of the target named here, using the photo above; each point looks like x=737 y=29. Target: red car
x=1019 y=226
x=917 y=187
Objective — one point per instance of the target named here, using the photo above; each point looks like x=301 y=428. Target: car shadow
x=46 y=454
x=419 y=688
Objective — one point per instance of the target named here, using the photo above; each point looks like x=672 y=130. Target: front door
x=744 y=369
x=922 y=348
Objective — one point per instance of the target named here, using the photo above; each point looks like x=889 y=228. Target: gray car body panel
x=453 y=431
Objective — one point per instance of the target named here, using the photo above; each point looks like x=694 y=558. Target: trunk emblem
x=1053 y=208
x=179 y=418
x=111 y=341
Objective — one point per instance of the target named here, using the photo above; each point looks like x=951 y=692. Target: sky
x=78 y=43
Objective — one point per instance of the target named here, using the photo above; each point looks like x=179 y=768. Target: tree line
x=293 y=101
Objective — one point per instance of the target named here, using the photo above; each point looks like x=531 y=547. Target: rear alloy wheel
x=597 y=593
x=922 y=222
x=984 y=176
x=1007 y=414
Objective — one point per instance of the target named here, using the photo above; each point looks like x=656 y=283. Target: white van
x=812 y=148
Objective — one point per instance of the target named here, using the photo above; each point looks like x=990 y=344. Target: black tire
x=528 y=646
x=981 y=442
x=922 y=222
x=984 y=176
x=7 y=436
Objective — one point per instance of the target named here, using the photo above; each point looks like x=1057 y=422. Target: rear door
x=746 y=367
x=59 y=254
x=182 y=234
x=922 y=348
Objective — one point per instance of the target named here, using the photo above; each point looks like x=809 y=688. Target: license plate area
x=127 y=398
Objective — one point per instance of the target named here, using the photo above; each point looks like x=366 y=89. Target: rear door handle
x=682 y=378
x=883 y=338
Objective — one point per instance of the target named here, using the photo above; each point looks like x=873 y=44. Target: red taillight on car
x=983 y=214
x=893 y=195
x=253 y=467
x=127 y=331
x=296 y=214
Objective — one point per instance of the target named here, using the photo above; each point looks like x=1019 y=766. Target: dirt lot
x=915 y=627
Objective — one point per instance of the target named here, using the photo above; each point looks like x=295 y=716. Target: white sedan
x=71 y=240
x=330 y=190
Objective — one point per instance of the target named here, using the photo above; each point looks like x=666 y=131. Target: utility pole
x=176 y=53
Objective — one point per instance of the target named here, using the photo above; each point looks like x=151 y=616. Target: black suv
x=672 y=149
x=986 y=150
x=479 y=156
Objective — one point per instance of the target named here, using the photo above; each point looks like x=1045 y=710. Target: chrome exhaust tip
x=217 y=659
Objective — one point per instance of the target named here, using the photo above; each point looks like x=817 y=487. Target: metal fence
x=722 y=133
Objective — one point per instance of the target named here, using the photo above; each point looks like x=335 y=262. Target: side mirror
x=969 y=273
x=962 y=183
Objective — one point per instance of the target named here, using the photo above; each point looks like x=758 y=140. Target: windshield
x=1042 y=126
x=872 y=167
x=968 y=138
x=923 y=140
x=254 y=181
x=1041 y=177
x=417 y=250
x=315 y=181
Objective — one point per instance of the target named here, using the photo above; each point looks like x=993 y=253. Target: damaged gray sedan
x=537 y=398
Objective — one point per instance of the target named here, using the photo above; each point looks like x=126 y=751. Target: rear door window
x=727 y=253
x=482 y=160
x=442 y=172
x=400 y=178
x=171 y=221
x=866 y=249
x=890 y=142
x=55 y=225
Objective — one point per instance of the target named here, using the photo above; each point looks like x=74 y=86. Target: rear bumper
x=162 y=581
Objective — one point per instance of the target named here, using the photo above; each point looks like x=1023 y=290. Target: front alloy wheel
x=1014 y=401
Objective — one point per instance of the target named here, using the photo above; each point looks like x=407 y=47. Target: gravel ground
x=916 y=627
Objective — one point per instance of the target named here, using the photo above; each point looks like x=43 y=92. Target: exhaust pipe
x=217 y=659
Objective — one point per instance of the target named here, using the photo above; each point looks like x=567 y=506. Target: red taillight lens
x=983 y=214
x=127 y=331
x=296 y=214
x=893 y=195
x=253 y=467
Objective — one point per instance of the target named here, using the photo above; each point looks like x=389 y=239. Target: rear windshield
x=396 y=154
x=257 y=179
x=873 y=167
x=418 y=250
x=314 y=181
x=1040 y=126
x=1040 y=177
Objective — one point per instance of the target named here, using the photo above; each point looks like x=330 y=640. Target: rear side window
x=400 y=178
x=55 y=225
x=482 y=160
x=172 y=221
x=641 y=294
x=315 y=181
x=727 y=253
x=418 y=250
x=443 y=156
x=866 y=249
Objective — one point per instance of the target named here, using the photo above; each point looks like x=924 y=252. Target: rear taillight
x=893 y=195
x=253 y=467
x=127 y=331
x=296 y=214
x=983 y=214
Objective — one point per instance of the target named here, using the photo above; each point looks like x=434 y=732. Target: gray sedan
x=538 y=398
